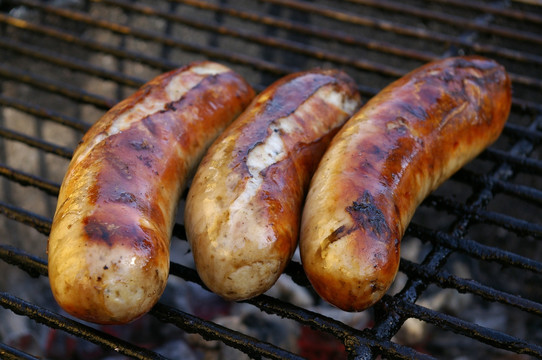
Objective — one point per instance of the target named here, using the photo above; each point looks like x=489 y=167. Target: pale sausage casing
x=109 y=243
x=386 y=159
x=244 y=205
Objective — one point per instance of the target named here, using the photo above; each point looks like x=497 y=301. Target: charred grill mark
x=141 y=144
x=123 y=197
x=114 y=231
x=170 y=107
x=418 y=111
x=146 y=160
x=337 y=234
x=294 y=93
x=150 y=124
x=119 y=165
x=97 y=231
x=285 y=99
x=368 y=216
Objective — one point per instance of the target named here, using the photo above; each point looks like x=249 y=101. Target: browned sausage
x=244 y=206
x=386 y=159
x=109 y=243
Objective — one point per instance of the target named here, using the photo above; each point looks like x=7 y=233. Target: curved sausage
x=386 y=159
x=109 y=243
x=244 y=205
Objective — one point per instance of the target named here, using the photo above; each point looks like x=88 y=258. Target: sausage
x=108 y=248
x=243 y=208
x=400 y=146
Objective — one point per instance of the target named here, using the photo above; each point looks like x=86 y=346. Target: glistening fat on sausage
x=244 y=205
x=109 y=243
x=386 y=159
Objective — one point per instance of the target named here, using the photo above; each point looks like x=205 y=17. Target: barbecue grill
x=468 y=285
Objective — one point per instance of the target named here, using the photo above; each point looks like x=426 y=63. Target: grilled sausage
x=109 y=243
x=386 y=159
x=244 y=205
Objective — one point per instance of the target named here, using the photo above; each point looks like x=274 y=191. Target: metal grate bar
x=499 y=186
x=507 y=222
x=405 y=30
x=226 y=55
x=352 y=338
x=68 y=62
x=38 y=222
x=489 y=9
x=525 y=80
x=36 y=267
x=311 y=51
x=456 y=21
x=519 y=163
x=312 y=319
x=392 y=311
x=526 y=106
x=211 y=331
x=9 y=353
x=521 y=132
x=315 y=31
x=36 y=143
x=473 y=248
x=486 y=335
x=190 y=323
x=447 y=280
x=29 y=180
x=52 y=86
x=32 y=265
x=72 y=39
x=388 y=324
x=57 y=321
x=43 y=113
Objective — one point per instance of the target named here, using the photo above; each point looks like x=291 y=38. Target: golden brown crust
x=109 y=244
x=243 y=208
x=398 y=148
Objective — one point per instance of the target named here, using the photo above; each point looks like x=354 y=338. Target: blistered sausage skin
x=244 y=205
x=386 y=159
x=109 y=244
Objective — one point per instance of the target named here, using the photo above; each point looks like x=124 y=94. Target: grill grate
x=476 y=239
